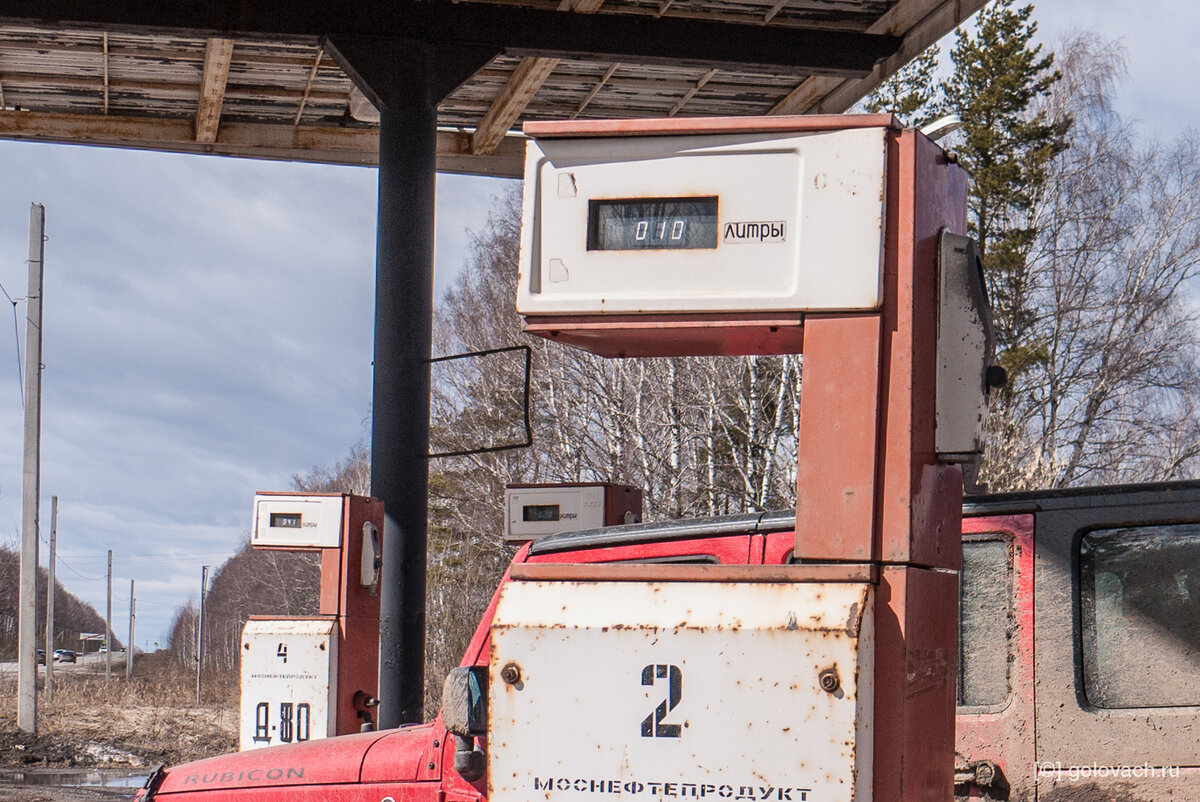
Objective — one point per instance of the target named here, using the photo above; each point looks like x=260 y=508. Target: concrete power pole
x=27 y=607
x=129 y=646
x=50 y=600
x=200 y=632
x=108 y=625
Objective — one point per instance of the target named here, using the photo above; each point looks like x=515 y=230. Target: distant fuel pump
x=538 y=510
x=310 y=678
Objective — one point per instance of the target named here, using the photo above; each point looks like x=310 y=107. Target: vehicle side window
x=984 y=623
x=1139 y=593
x=676 y=559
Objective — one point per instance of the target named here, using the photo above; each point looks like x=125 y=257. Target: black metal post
x=403 y=347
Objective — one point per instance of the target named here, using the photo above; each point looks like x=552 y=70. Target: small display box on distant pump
x=534 y=511
x=294 y=521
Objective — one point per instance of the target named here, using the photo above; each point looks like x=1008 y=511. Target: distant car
x=41 y=657
x=103 y=650
x=64 y=656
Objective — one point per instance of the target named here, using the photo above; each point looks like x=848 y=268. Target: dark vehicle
x=64 y=656
x=41 y=657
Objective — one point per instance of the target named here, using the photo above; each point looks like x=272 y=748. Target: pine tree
x=910 y=92
x=1006 y=145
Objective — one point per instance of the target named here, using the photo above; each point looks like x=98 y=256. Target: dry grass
x=152 y=718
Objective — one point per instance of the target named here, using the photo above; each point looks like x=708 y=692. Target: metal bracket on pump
x=372 y=557
x=820 y=235
x=450 y=442
x=966 y=344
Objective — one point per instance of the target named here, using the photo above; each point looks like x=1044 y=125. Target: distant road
x=91 y=663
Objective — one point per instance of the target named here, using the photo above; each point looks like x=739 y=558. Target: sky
x=208 y=327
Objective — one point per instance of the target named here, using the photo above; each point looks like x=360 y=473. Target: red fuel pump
x=850 y=251
x=329 y=686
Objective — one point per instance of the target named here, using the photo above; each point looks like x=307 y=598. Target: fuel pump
x=832 y=678
x=305 y=678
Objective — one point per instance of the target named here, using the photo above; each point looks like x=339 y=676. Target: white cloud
x=1157 y=35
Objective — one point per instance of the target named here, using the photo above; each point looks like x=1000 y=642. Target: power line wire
x=67 y=565
x=17 y=336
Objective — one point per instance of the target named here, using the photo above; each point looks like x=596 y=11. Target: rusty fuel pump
x=305 y=678
x=840 y=238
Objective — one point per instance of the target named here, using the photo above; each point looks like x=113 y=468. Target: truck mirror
x=464 y=701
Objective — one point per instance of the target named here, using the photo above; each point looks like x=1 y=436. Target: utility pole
x=50 y=600
x=108 y=625
x=200 y=631
x=129 y=646
x=31 y=482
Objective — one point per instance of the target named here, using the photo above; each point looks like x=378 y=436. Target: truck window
x=1140 y=616
x=985 y=607
x=676 y=559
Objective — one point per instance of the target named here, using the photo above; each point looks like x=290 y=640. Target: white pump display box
x=297 y=521
x=534 y=511
x=728 y=222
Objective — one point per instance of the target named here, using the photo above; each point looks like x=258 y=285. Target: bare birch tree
x=1109 y=394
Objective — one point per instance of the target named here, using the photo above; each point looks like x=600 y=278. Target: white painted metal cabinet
x=289 y=681
x=663 y=690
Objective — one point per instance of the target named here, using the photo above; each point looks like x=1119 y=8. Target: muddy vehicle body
x=1079 y=651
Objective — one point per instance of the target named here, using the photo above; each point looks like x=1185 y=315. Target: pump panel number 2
x=655 y=724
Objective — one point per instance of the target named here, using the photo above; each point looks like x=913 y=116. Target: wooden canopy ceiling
x=266 y=78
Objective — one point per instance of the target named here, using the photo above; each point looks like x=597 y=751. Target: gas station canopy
x=276 y=79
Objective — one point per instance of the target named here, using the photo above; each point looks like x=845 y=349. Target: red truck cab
x=1078 y=662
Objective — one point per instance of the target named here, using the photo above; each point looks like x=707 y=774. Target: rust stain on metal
x=853 y=620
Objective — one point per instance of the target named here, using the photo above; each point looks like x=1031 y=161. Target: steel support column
x=400 y=424
x=405 y=79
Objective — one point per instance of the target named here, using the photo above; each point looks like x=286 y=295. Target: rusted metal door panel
x=702 y=689
x=918 y=496
x=726 y=550
x=914 y=684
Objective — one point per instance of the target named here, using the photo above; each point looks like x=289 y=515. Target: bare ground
x=10 y=793
x=116 y=725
